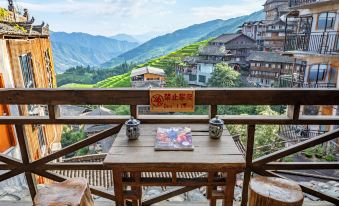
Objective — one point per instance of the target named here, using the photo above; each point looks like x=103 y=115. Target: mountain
x=75 y=49
x=165 y=44
x=124 y=37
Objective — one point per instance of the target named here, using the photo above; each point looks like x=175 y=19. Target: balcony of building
x=100 y=176
x=313 y=43
x=305 y=4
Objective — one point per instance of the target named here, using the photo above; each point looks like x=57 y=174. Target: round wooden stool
x=271 y=191
x=72 y=192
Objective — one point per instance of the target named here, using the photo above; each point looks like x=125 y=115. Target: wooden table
x=136 y=164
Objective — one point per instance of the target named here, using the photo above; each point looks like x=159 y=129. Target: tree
x=178 y=82
x=223 y=76
x=266 y=138
x=70 y=137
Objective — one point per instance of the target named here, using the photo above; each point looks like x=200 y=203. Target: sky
x=134 y=17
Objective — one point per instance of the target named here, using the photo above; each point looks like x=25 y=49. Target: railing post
x=25 y=156
x=134 y=111
x=213 y=111
x=249 y=159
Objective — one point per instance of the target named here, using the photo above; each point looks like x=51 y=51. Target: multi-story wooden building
x=26 y=61
x=198 y=69
x=255 y=30
x=274 y=36
x=267 y=67
x=239 y=45
x=315 y=40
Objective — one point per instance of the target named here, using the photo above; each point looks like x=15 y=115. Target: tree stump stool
x=271 y=191
x=72 y=192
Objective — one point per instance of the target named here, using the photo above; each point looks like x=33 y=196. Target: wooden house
x=26 y=61
x=239 y=45
x=267 y=67
x=198 y=69
x=148 y=77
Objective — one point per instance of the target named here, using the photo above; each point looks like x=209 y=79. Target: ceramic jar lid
x=216 y=121
x=132 y=122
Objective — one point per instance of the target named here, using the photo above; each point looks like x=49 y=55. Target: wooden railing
x=314 y=42
x=264 y=166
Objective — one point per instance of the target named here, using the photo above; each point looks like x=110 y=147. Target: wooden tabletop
x=208 y=154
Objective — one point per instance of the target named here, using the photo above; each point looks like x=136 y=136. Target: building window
x=317 y=72
x=27 y=70
x=49 y=69
x=202 y=79
x=326 y=20
x=41 y=138
x=192 y=78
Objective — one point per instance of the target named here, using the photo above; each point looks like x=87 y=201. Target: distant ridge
x=167 y=43
x=81 y=49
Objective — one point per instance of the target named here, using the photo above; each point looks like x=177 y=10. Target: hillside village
x=295 y=46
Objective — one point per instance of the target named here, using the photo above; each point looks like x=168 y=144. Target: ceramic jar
x=132 y=128
x=216 y=128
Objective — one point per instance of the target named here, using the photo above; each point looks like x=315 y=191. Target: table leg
x=229 y=189
x=138 y=189
x=118 y=187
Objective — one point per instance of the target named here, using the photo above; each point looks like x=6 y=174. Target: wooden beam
x=172 y=119
x=9 y=160
x=304 y=174
x=297 y=148
x=73 y=166
x=293 y=111
x=299 y=165
x=74 y=147
x=26 y=161
x=213 y=111
x=168 y=195
x=210 y=96
x=134 y=111
x=249 y=159
x=9 y=174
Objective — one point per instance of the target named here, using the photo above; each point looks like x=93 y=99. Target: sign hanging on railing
x=182 y=100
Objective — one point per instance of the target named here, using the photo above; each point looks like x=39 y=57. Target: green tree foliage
x=88 y=75
x=177 y=82
x=223 y=76
x=266 y=136
x=70 y=137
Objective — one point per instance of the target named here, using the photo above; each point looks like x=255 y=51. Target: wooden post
x=249 y=158
x=26 y=159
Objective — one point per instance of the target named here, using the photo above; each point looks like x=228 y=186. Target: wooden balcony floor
x=108 y=203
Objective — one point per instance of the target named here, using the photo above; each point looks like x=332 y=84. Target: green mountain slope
x=161 y=62
x=162 y=45
x=80 y=49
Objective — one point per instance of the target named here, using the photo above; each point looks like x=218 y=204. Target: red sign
x=182 y=100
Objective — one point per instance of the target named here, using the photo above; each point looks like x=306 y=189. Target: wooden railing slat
x=72 y=148
x=210 y=96
x=297 y=147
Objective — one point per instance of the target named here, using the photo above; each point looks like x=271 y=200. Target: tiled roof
x=273 y=57
x=225 y=38
x=104 y=178
x=213 y=50
x=147 y=70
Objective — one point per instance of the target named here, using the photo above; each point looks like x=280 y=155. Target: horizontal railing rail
x=134 y=97
x=314 y=42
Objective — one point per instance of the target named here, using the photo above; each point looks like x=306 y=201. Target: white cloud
x=242 y=7
x=130 y=8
